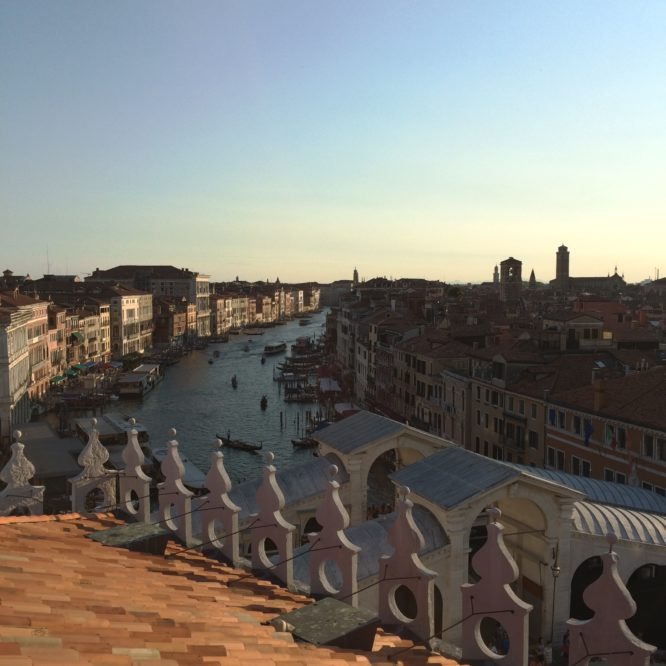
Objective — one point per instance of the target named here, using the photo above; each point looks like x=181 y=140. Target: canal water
x=197 y=398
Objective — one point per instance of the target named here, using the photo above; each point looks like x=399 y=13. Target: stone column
x=458 y=533
x=358 y=490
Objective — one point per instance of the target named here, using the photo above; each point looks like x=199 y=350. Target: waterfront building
x=57 y=340
x=164 y=281
x=131 y=321
x=15 y=370
x=38 y=338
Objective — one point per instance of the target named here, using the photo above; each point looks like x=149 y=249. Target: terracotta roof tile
x=65 y=599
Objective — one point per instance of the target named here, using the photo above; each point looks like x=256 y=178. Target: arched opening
x=493 y=636
x=330 y=576
x=381 y=490
x=647 y=586
x=403 y=604
x=586 y=573
x=268 y=552
x=94 y=500
x=312 y=526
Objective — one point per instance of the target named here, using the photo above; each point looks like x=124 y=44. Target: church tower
x=511 y=281
x=562 y=268
x=355 y=278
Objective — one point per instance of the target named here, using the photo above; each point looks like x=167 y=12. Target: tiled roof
x=638 y=398
x=71 y=601
x=357 y=431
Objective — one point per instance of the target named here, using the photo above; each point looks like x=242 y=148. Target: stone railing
x=402 y=575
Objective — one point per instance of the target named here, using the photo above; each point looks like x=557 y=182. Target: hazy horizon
x=299 y=140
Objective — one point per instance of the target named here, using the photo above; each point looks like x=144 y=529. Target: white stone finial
x=217 y=445
x=17 y=435
x=269 y=458
x=93 y=421
x=404 y=492
x=172 y=432
x=131 y=421
x=333 y=471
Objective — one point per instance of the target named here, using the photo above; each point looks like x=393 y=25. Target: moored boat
x=276 y=348
x=304 y=443
x=239 y=444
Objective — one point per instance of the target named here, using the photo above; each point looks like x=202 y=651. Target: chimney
x=599 y=387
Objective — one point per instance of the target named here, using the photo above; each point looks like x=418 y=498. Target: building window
x=478 y=393
x=609 y=475
x=478 y=417
x=533 y=439
x=575 y=465
x=533 y=410
x=620 y=478
x=621 y=438
x=577 y=425
x=521 y=406
x=486 y=418
x=477 y=445
x=560 y=420
x=485 y=448
x=661 y=449
x=647 y=486
x=648 y=446
x=510 y=403
x=551 y=457
x=497 y=452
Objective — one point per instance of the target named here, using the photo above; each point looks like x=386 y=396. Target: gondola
x=304 y=443
x=240 y=444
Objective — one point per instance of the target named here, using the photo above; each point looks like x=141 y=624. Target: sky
x=301 y=139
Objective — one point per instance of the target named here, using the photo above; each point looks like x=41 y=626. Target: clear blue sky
x=302 y=139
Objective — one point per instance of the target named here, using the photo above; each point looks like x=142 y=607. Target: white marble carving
x=606 y=635
x=492 y=597
x=134 y=482
x=19 y=496
x=93 y=476
x=331 y=549
x=404 y=569
x=175 y=500
x=219 y=516
x=270 y=526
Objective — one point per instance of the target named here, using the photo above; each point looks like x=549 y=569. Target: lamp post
x=555 y=570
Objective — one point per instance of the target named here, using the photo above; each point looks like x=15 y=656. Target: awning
x=90 y=364
x=71 y=373
x=80 y=367
x=77 y=336
x=57 y=379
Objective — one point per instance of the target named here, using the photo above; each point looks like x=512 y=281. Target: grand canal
x=198 y=400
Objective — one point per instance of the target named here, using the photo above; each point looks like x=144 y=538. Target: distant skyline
x=300 y=139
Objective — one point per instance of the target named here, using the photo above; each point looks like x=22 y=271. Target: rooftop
x=69 y=600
